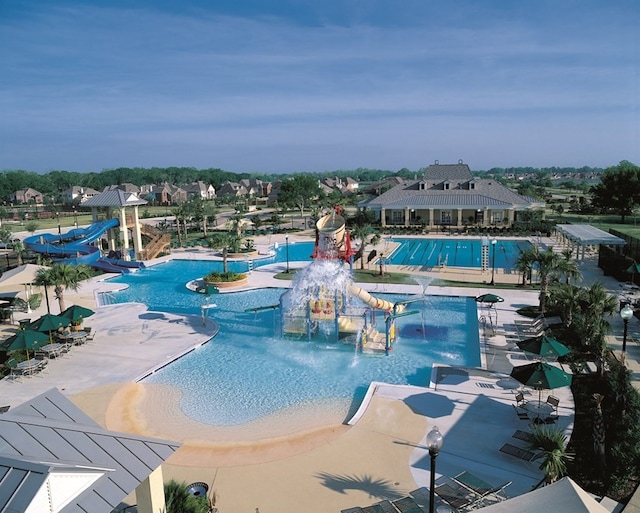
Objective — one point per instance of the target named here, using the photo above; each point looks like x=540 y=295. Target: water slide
x=74 y=247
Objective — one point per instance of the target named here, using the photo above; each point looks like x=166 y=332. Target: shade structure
x=76 y=313
x=544 y=346
x=24 y=340
x=489 y=298
x=633 y=268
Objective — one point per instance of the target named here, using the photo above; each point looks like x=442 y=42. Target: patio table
x=53 y=350
x=538 y=410
x=76 y=337
x=31 y=366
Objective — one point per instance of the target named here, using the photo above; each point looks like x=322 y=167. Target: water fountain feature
x=325 y=302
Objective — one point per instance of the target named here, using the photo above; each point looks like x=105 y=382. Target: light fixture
x=626 y=313
x=434 y=444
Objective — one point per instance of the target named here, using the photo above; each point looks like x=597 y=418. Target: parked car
x=8 y=244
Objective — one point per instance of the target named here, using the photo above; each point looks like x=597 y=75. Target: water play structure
x=324 y=301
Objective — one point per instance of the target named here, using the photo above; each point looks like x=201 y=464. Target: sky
x=305 y=85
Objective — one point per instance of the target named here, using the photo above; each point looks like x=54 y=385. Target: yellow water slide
x=368 y=299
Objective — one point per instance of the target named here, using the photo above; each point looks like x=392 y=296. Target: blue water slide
x=73 y=247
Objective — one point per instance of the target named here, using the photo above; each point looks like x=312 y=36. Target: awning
x=589 y=235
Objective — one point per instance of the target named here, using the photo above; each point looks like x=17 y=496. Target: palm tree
x=568 y=267
x=42 y=279
x=62 y=277
x=223 y=241
x=362 y=233
x=599 y=431
x=553 y=444
x=565 y=298
x=524 y=263
x=19 y=249
x=548 y=263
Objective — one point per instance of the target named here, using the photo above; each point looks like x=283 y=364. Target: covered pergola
x=582 y=235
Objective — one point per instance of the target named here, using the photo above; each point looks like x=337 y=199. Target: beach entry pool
x=261 y=367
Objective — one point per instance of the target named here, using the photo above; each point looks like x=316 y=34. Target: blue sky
x=307 y=85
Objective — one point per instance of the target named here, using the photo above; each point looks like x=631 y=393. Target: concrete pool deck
x=329 y=469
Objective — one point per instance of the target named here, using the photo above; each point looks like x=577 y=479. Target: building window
x=472 y=186
x=446 y=186
x=445 y=217
x=497 y=217
x=397 y=217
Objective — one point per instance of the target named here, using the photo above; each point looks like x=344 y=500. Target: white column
x=137 y=234
x=150 y=493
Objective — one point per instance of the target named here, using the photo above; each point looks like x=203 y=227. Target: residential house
x=167 y=194
x=232 y=189
x=27 y=195
x=76 y=195
x=200 y=189
x=449 y=195
x=256 y=188
x=125 y=187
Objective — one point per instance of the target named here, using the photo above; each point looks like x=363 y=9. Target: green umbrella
x=544 y=346
x=541 y=375
x=489 y=298
x=76 y=314
x=49 y=323
x=24 y=340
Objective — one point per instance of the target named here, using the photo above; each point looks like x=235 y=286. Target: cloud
x=207 y=79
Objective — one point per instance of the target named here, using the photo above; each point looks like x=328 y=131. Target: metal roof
x=50 y=441
x=589 y=235
x=114 y=198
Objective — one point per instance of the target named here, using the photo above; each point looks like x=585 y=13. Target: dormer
x=446 y=185
x=472 y=185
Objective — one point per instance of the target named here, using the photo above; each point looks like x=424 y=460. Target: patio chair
x=14 y=371
x=374 y=508
x=553 y=401
x=520 y=399
x=482 y=488
x=520 y=413
x=453 y=493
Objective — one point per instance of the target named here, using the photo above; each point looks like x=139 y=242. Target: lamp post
x=434 y=443
x=59 y=229
x=75 y=217
x=286 y=239
x=493 y=261
x=626 y=313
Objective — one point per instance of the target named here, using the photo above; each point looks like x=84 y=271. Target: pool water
x=248 y=371
x=456 y=252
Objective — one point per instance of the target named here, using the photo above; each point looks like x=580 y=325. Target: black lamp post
x=626 y=313
x=59 y=229
x=493 y=261
x=434 y=443
x=75 y=217
x=286 y=239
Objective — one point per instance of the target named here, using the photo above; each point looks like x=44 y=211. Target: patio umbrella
x=544 y=346
x=49 y=323
x=76 y=314
x=24 y=340
x=541 y=375
x=489 y=298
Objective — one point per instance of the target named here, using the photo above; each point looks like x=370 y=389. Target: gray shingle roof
x=114 y=198
x=50 y=434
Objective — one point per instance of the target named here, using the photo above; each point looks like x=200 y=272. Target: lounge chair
x=386 y=507
x=407 y=505
x=454 y=494
x=481 y=487
x=519 y=452
x=374 y=508
x=521 y=435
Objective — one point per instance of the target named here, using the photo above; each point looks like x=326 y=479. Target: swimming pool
x=455 y=252
x=247 y=372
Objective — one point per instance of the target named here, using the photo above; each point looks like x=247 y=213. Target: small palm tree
x=365 y=234
x=62 y=277
x=553 y=444
x=524 y=263
x=224 y=241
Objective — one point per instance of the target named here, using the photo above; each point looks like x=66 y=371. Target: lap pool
x=248 y=372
